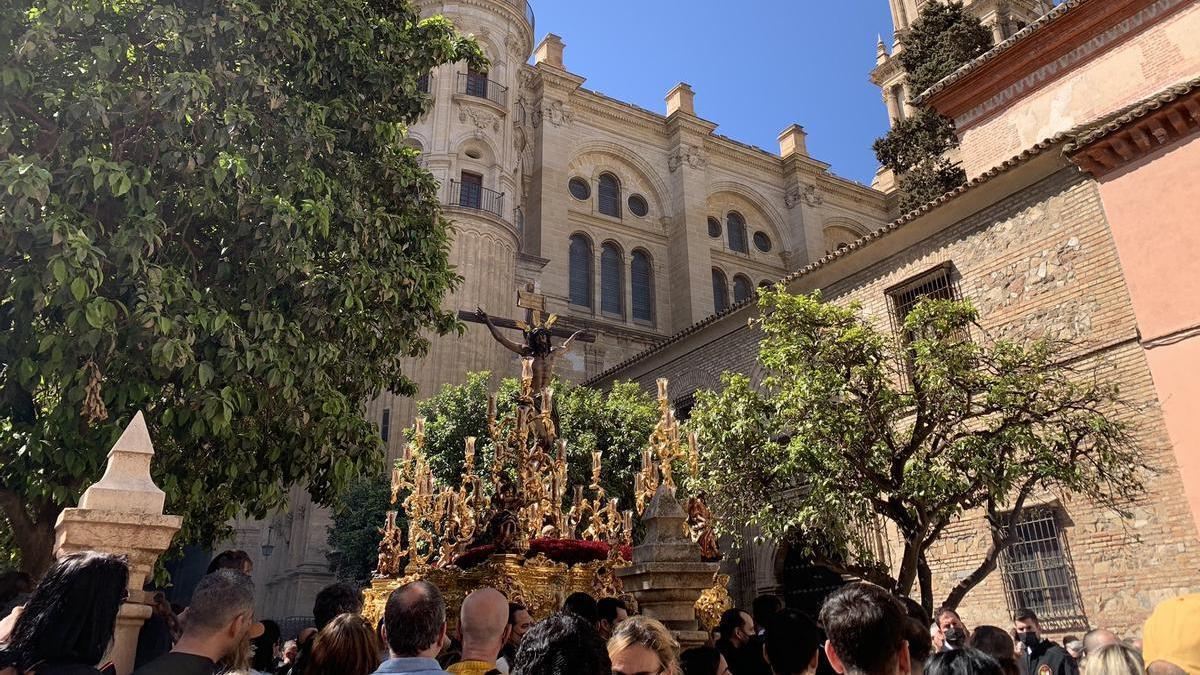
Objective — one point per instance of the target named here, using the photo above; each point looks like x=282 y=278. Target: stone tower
x=1005 y=18
x=468 y=141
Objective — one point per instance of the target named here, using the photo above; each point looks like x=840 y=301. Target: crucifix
x=537 y=333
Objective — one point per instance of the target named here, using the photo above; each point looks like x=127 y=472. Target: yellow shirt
x=471 y=668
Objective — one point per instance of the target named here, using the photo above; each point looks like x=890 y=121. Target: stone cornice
x=544 y=76
x=1073 y=33
x=886 y=71
x=1152 y=124
x=516 y=15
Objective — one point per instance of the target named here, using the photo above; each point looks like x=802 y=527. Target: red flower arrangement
x=567 y=551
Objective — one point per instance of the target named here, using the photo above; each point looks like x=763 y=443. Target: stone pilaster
x=122 y=513
x=690 y=263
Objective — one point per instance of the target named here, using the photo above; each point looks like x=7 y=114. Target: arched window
x=612 y=291
x=736 y=225
x=581 y=271
x=742 y=287
x=608 y=196
x=720 y=291
x=641 y=276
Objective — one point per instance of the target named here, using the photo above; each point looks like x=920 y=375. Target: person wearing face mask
x=1041 y=657
x=738 y=645
x=954 y=631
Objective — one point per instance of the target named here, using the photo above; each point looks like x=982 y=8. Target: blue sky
x=756 y=65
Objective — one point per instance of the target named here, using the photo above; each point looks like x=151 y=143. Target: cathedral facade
x=632 y=224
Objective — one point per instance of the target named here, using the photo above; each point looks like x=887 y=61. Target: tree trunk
x=973 y=579
x=34 y=538
x=925 y=576
x=907 y=573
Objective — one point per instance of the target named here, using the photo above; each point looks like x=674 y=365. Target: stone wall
x=1039 y=263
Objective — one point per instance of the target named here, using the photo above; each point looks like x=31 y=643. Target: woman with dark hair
x=563 y=644
x=348 y=645
x=69 y=620
x=965 y=661
x=265 y=648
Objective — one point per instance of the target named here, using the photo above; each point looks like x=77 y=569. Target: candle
x=527 y=369
x=407 y=452
x=491 y=407
x=395 y=479
x=662 y=388
x=547 y=399
x=562 y=450
x=596 y=463
x=470 y=453
x=578 y=495
x=629 y=524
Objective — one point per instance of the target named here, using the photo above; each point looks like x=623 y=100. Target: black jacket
x=1050 y=659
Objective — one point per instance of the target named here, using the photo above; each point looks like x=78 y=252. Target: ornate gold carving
x=714 y=602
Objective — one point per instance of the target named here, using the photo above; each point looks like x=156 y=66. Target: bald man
x=1094 y=640
x=483 y=623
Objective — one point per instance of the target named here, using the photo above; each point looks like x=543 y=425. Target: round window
x=580 y=189
x=638 y=206
x=762 y=242
x=714 y=228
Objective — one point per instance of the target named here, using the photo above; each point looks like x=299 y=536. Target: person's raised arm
x=508 y=344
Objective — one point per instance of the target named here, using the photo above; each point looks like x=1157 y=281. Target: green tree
x=358 y=514
x=854 y=428
x=210 y=215
x=943 y=38
x=617 y=421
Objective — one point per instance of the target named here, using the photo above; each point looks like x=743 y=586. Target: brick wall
x=1038 y=263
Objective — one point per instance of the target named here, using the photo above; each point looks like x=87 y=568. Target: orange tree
x=853 y=429
x=209 y=215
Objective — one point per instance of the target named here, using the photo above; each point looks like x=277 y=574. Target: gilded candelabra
x=664 y=449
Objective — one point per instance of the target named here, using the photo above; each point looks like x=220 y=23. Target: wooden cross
x=534 y=304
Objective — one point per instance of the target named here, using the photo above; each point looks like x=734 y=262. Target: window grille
x=935 y=284
x=608 y=196
x=611 y=288
x=720 y=291
x=580 y=273
x=642 y=280
x=736 y=225
x=1039 y=573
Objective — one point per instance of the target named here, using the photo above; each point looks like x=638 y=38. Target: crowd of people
x=65 y=624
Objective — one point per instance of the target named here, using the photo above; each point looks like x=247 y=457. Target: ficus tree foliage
x=944 y=37
x=209 y=215
x=617 y=421
x=854 y=429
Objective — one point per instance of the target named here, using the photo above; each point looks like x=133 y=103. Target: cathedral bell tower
x=1005 y=18
x=467 y=141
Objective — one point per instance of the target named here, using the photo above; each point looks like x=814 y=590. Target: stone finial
x=550 y=51
x=681 y=99
x=881 y=53
x=793 y=140
x=126 y=486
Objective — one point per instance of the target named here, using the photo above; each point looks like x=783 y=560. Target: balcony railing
x=476 y=197
x=478 y=85
x=528 y=9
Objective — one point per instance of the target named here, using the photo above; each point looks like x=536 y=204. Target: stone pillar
x=667 y=575
x=122 y=513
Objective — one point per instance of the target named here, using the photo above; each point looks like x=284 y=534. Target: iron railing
x=524 y=6
x=478 y=85
x=476 y=197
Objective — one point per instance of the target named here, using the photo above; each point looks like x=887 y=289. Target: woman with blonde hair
x=348 y=645
x=1115 y=659
x=643 y=646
